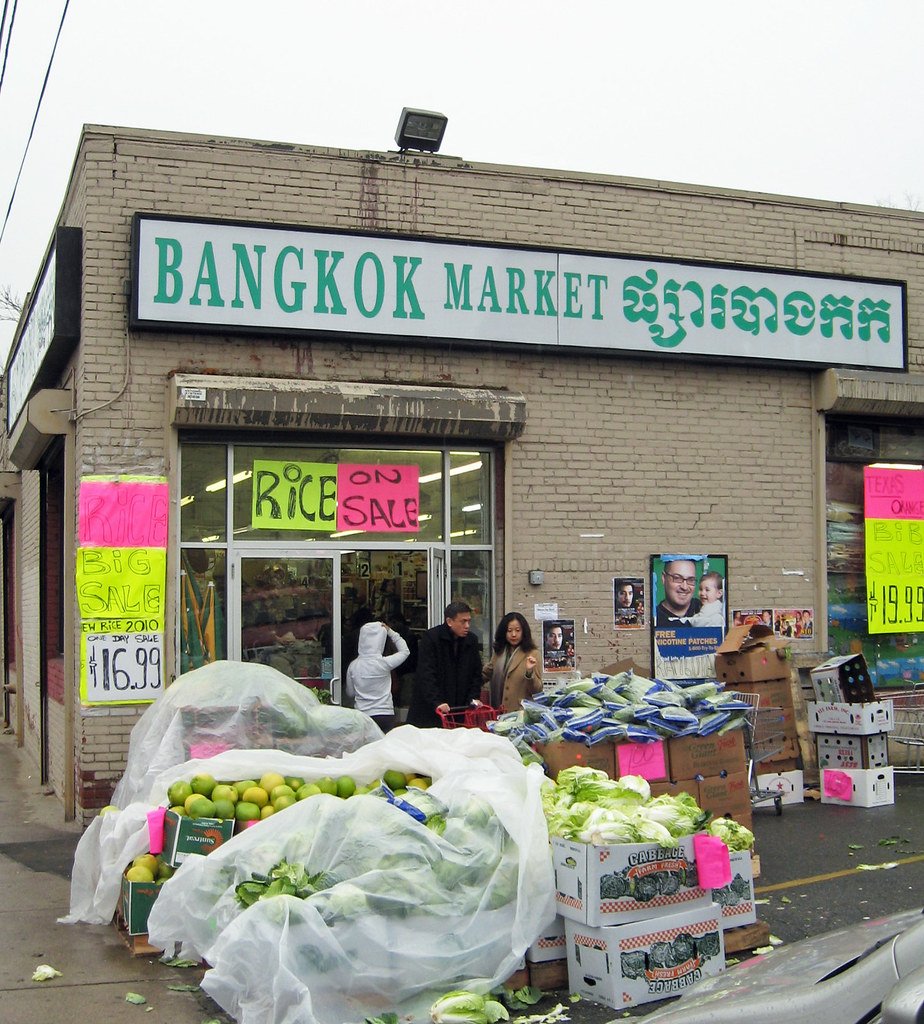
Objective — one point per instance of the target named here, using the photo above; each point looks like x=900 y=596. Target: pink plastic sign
x=378 y=499
x=837 y=785
x=204 y=750
x=893 y=493
x=645 y=759
x=156 y=829
x=123 y=513
x=713 y=864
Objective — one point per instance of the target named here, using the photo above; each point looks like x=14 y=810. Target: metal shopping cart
x=763 y=737
x=908 y=708
x=471 y=717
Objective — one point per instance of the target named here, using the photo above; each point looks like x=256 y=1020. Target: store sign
x=321 y=497
x=190 y=275
x=51 y=325
x=894 y=527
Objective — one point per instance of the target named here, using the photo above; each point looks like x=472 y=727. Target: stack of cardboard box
x=851 y=730
x=752 y=660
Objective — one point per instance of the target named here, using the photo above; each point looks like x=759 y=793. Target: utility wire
x=9 y=36
x=38 y=107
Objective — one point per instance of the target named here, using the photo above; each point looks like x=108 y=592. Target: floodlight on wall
x=420 y=129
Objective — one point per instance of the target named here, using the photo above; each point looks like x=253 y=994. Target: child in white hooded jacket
x=368 y=678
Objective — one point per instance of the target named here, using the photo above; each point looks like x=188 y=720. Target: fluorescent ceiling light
x=896 y=465
x=220 y=485
x=472 y=508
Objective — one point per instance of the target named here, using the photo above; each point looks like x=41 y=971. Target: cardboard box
x=565 y=754
x=701 y=756
x=775 y=693
x=726 y=796
x=550 y=945
x=135 y=902
x=835 y=751
x=673 y=787
x=646 y=960
x=750 y=654
x=789 y=785
x=851 y=719
x=606 y=885
x=627 y=665
x=869 y=787
x=184 y=837
x=737 y=898
x=843 y=680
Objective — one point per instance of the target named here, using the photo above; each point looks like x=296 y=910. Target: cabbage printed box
x=625 y=882
x=737 y=898
x=638 y=963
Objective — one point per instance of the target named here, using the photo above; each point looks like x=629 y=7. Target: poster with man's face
x=689 y=614
x=558 y=645
x=628 y=602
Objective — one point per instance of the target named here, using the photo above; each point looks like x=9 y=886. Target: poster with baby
x=689 y=616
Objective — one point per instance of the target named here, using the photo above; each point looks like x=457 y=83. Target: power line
x=38 y=107
x=9 y=36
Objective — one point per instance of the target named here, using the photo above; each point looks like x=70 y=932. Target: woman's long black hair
x=500 y=634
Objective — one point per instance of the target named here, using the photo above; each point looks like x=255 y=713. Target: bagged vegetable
x=336 y=910
x=235 y=705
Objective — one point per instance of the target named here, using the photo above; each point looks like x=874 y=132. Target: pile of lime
x=148 y=867
x=203 y=796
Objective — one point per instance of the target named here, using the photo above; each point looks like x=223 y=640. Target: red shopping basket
x=469 y=718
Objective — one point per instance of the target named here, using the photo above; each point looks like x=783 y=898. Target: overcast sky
x=817 y=98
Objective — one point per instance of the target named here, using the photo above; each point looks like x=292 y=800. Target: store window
x=896 y=660
x=270 y=573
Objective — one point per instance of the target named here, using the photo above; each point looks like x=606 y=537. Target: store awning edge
x=866 y=393
x=350 y=407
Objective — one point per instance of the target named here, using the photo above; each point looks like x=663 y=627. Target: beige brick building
x=242 y=313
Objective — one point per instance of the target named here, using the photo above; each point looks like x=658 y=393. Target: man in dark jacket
x=448 y=668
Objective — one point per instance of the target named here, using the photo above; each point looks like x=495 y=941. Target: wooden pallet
x=747 y=936
x=138 y=945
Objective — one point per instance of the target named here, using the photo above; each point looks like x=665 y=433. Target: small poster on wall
x=558 y=645
x=752 y=617
x=689 y=616
x=628 y=602
x=794 y=623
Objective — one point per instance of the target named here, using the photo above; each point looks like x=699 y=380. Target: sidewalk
x=97 y=969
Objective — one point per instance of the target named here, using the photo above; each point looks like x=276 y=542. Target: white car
x=870 y=972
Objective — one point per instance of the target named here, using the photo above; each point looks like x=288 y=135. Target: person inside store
x=448 y=668
x=368 y=678
x=387 y=602
x=514 y=671
x=625 y=595
x=679 y=580
x=711 y=600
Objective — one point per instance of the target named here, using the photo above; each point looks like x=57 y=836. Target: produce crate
x=646 y=960
x=609 y=885
x=185 y=837
x=737 y=898
x=135 y=902
x=551 y=974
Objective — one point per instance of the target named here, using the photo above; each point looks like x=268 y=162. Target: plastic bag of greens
x=235 y=705
x=376 y=910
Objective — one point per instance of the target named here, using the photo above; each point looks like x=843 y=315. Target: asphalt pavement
x=821 y=867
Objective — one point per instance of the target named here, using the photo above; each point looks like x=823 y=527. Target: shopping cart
x=471 y=717
x=763 y=738
x=908 y=708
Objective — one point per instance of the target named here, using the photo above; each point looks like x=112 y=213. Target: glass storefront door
x=286 y=611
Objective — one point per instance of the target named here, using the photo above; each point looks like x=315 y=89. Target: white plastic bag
x=407 y=913
x=235 y=705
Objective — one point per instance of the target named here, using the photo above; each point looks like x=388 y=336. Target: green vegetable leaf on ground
x=519 y=998
x=134 y=997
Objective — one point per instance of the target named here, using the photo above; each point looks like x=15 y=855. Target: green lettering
x=573 y=309
x=369 y=257
x=595 y=281
x=404 y=288
x=207 y=276
x=489 y=291
x=516 y=281
x=327 y=285
x=544 y=304
x=169 y=257
x=458 y=294
x=298 y=287
x=254 y=280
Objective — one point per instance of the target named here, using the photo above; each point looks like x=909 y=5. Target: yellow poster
x=294 y=496
x=122 y=583
x=895 y=575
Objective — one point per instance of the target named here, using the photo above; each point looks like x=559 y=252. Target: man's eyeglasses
x=690 y=581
